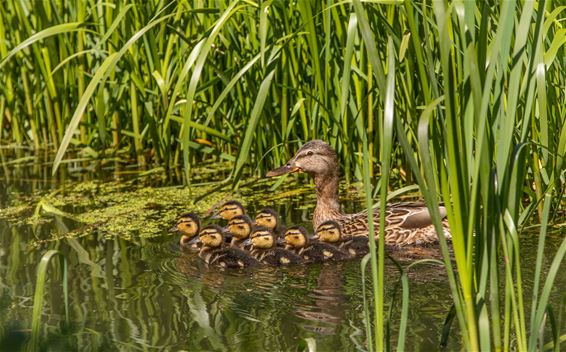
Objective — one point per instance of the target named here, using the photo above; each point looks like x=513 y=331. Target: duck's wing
x=408 y=215
x=405 y=223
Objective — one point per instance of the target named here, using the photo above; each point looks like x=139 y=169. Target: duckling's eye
x=241 y=227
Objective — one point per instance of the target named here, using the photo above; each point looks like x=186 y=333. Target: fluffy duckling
x=264 y=249
x=297 y=240
x=330 y=232
x=188 y=226
x=214 y=252
x=269 y=218
x=240 y=228
x=230 y=209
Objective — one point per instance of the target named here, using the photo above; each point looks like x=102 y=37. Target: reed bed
x=463 y=98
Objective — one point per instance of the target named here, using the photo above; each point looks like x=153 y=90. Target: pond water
x=142 y=293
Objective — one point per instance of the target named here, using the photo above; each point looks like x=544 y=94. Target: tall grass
x=463 y=98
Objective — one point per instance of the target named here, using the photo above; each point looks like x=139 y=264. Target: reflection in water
x=325 y=305
x=150 y=295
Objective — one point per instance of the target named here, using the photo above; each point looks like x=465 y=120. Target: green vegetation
x=463 y=98
x=39 y=294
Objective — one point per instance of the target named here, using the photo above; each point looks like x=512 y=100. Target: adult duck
x=406 y=223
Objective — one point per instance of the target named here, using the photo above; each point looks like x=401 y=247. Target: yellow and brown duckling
x=240 y=228
x=298 y=241
x=229 y=210
x=188 y=226
x=330 y=232
x=270 y=219
x=215 y=252
x=407 y=223
x=264 y=249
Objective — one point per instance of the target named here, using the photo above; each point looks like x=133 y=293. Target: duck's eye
x=310 y=152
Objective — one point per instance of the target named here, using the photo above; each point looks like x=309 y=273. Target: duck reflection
x=323 y=310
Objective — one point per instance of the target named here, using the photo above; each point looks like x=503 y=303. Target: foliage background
x=463 y=98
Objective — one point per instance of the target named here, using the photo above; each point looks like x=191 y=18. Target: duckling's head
x=230 y=209
x=315 y=158
x=296 y=237
x=240 y=227
x=262 y=237
x=267 y=217
x=211 y=236
x=329 y=232
x=188 y=225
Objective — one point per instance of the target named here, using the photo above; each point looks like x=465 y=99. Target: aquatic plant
x=39 y=294
x=463 y=98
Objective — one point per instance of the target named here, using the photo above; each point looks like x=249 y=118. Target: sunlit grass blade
x=48 y=32
x=251 y=125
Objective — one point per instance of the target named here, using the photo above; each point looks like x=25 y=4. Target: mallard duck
x=311 y=250
x=270 y=219
x=229 y=210
x=188 y=226
x=264 y=249
x=240 y=228
x=407 y=223
x=214 y=251
x=329 y=233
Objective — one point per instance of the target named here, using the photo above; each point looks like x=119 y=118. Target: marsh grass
x=462 y=98
x=40 y=285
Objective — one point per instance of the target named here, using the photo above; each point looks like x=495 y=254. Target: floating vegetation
x=132 y=211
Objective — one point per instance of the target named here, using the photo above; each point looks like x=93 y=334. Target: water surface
x=142 y=293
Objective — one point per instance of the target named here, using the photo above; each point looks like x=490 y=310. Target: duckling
x=240 y=228
x=214 y=251
x=270 y=219
x=229 y=210
x=330 y=232
x=265 y=250
x=297 y=240
x=188 y=225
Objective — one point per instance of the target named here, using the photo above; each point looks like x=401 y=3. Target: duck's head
x=229 y=210
x=211 y=236
x=296 y=237
x=188 y=225
x=329 y=232
x=263 y=238
x=315 y=158
x=267 y=217
x=240 y=227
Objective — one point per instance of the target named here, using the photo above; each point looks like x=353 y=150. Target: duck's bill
x=227 y=234
x=285 y=169
x=194 y=240
x=174 y=229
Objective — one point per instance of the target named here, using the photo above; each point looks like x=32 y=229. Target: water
x=145 y=294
